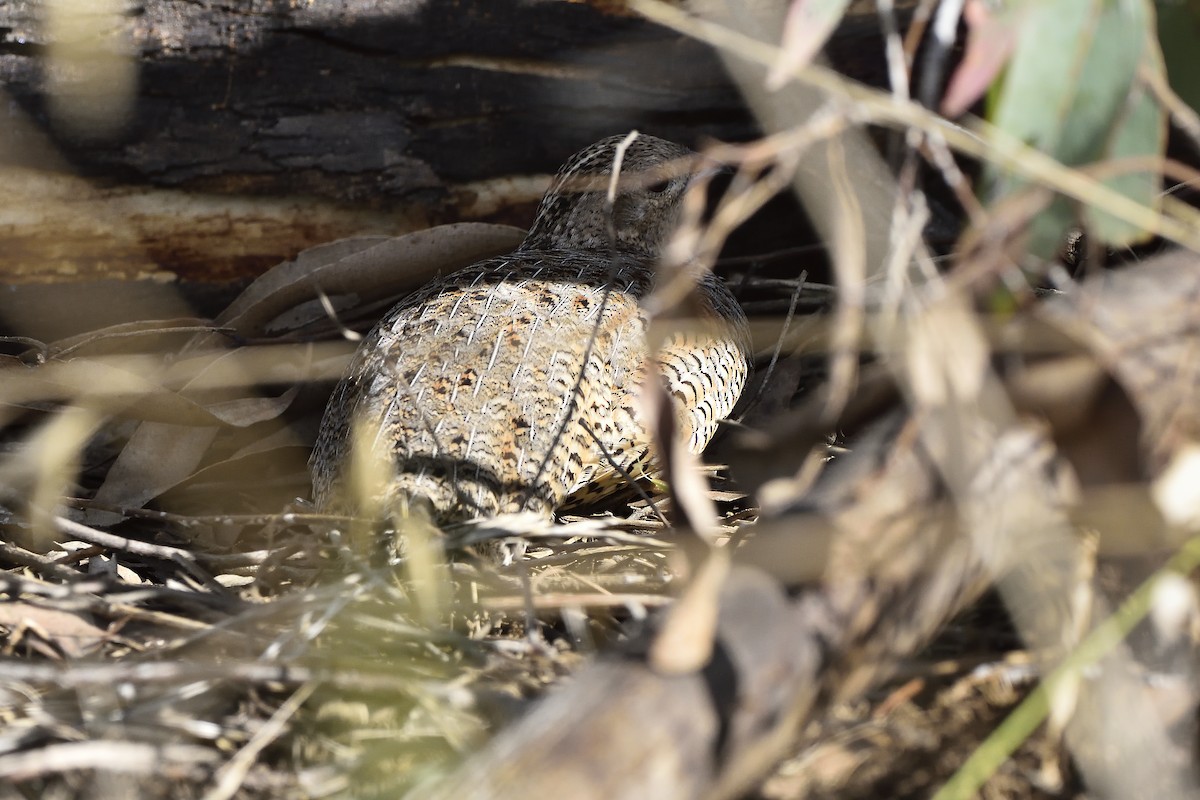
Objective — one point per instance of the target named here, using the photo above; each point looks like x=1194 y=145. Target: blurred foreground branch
x=897 y=563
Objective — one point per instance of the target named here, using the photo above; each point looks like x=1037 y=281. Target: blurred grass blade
x=53 y=453
x=106 y=386
x=92 y=77
x=807 y=27
x=1020 y=724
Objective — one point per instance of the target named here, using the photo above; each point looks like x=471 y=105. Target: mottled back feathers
x=512 y=383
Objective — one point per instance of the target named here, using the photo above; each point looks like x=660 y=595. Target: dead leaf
x=990 y=43
x=157 y=457
x=367 y=267
x=70 y=634
x=247 y=411
x=127 y=336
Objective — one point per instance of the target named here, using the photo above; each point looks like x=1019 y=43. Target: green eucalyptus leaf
x=1067 y=92
x=1140 y=130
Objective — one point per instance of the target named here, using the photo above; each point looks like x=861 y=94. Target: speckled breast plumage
x=513 y=383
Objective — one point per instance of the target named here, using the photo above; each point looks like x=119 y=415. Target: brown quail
x=492 y=389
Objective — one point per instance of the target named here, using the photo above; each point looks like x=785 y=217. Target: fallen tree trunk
x=206 y=142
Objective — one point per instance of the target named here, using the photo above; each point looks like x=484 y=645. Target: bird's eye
x=658 y=187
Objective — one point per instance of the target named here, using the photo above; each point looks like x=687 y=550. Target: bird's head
x=576 y=213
